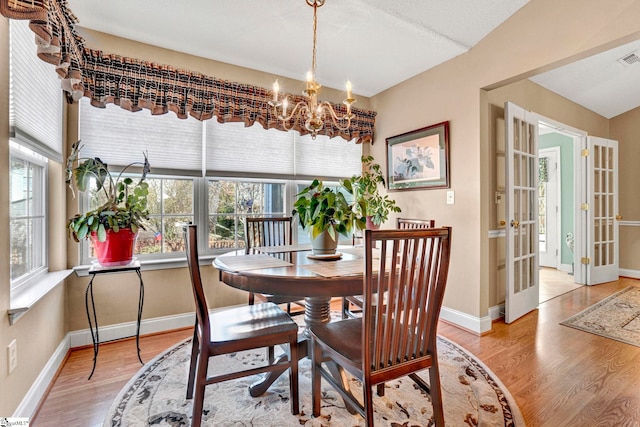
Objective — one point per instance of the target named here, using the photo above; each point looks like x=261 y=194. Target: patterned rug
x=616 y=317
x=155 y=396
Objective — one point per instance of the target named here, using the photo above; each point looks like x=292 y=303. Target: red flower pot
x=117 y=249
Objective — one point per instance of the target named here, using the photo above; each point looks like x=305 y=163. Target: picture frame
x=419 y=159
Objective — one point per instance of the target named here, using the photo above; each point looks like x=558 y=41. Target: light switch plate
x=12 y=356
x=450 y=197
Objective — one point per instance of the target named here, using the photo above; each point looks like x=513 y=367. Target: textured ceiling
x=374 y=43
x=601 y=82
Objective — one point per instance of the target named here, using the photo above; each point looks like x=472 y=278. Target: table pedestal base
x=317 y=311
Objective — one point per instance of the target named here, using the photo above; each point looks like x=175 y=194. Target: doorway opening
x=556 y=204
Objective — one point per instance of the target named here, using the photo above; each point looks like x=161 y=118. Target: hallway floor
x=554 y=283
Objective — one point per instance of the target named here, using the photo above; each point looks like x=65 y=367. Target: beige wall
x=543 y=34
x=39 y=332
x=625 y=128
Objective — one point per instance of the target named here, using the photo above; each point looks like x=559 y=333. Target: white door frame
x=554 y=226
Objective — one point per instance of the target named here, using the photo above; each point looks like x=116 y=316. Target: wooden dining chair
x=356 y=300
x=266 y=232
x=232 y=330
x=396 y=339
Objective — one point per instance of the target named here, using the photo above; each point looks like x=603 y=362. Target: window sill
x=27 y=296
x=152 y=264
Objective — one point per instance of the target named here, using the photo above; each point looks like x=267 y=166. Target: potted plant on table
x=371 y=204
x=113 y=226
x=326 y=213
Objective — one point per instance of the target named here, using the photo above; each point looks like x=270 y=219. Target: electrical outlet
x=12 y=353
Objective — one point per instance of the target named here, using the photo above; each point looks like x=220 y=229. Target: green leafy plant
x=321 y=208
x=366 y=188
x=126 y=198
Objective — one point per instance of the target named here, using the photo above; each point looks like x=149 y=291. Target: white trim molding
x=634 y=274
x=29 y=404
x=478 y=325
x=629 y=223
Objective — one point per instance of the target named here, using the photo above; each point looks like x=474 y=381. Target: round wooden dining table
x=295 y=273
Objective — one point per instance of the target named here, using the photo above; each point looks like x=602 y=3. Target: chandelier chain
x=315 y=37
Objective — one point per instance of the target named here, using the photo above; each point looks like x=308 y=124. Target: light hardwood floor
x=558 y=375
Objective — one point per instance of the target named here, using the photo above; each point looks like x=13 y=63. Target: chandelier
x=310 y=110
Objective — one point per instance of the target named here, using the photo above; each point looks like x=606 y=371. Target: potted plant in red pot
x=114 y=225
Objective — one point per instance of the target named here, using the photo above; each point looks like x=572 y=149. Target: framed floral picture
x=419 y=159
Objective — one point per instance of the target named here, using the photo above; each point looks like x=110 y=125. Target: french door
x=602 y=210
x=522 y=212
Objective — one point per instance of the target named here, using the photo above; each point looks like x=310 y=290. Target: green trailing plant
x=126 y=198
x=366 y=188
x=321 y=208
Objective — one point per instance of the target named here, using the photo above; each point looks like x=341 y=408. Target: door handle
x=502 y=223
x=618 y=217
x=515 y=224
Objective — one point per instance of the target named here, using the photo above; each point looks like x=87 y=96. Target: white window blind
x=119 y=137
x=233 y=149
x=175 y=146
x=35 y=100
x=327 y=157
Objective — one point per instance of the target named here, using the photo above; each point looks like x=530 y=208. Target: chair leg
x=201 y=383
x=380 y=389
x=436 y=394
x=316 y=360
x=293 y=376
x=368 y=404
x=271 y=354
x=194 y=360
x=252 y=298
x=345 y=308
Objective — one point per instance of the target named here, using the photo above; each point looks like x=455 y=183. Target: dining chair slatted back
x=270 y=231
x=233 y=330
x=356 y=300
x=398 y=337
x=407 y=223
x=267 y=231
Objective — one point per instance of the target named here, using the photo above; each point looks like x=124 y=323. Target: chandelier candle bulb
x=276 y=88
x=348 y=89
x=285 y=103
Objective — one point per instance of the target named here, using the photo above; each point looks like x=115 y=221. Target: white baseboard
x=29 y=404
x=128 y=329
x=635 y=274
x=496 y=312
x=475 y=324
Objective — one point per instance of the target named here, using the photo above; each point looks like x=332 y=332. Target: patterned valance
x=134 y=84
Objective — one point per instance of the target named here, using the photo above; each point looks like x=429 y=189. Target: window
x=214 y=175
x=230 y=202
x=170 y=206
x=27 y=217
x=35 y=130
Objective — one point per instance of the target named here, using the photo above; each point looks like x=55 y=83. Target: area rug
x=616 y=317
x=155 y=396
